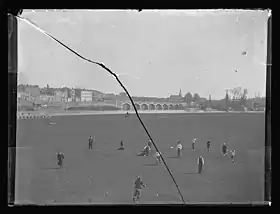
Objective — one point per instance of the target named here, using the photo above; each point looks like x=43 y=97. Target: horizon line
x=118 y=93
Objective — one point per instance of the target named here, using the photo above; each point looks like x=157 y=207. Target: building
x=21 y=88
x=86 y=96
x=176 y=98
x=61 y=95
x=28 y=92
x=34 y=91
x=110 y=96
x=72 y=94
x=47 y=98
x=77 y=94
x=66 y=93
x=97 y=95
x=77 y=99
x=58 y=95
x=21 y=95
x=124 y=94
x=64 y=96
x=38 y=102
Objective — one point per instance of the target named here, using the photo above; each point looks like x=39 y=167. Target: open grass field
x=107 y=175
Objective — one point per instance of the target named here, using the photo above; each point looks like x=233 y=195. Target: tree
x=238 y=97
x=209 y=101
x=196 y=97
x=227 y=98
x=203 y=106
x=123 y=94
x=236 y=93
x=188 y=98
x=244 y=97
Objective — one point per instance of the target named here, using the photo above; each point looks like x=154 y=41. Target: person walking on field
x=138 y=186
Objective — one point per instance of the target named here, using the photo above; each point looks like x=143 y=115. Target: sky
x=156 y=53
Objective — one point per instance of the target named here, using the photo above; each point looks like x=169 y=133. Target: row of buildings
x=47 y=94
x=39 y=95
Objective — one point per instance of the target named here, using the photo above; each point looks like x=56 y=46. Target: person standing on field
x=60 y=158
x=224 y=149
x=90 y=142
x=232 y=155
x=200 y=164
x=158 y=157
x=208 y=145
x=179 y=148
x=193 y=143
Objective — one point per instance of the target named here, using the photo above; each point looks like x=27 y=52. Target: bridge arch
x=177 y=107
x=144 y=106
x=158 y=107
x=171 y=106
x=152 y=106
x=137 y=106
x=165 y=107
x=126 y=107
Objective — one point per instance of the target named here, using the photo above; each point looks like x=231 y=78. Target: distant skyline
x=155 y=53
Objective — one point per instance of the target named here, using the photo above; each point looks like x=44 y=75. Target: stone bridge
x=127 y=106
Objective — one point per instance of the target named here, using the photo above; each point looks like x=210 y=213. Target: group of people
x=147 y=151
x=179 y=148
x=200 y=159
x=226 y=150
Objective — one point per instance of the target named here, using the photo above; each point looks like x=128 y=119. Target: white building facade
x=86 y=96
x=23 y=96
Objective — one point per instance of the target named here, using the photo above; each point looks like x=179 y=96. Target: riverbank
x=68 y=113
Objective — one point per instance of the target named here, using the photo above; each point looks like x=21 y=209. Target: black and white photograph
x=141 y=107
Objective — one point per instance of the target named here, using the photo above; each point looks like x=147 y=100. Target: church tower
x=180 y=93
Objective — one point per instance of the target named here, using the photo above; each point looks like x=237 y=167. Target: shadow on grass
x=154 y=164
x=141 y=155
x=50 y=168
x=173 y=157
x=190 y=173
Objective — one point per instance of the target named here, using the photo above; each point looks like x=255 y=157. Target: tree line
x=235 y=99
x=189 y=98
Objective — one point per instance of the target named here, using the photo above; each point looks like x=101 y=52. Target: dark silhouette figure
x=90 y=142
x=121 y=146
x=200 y=164
x=208 y=145
x=60 y=158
